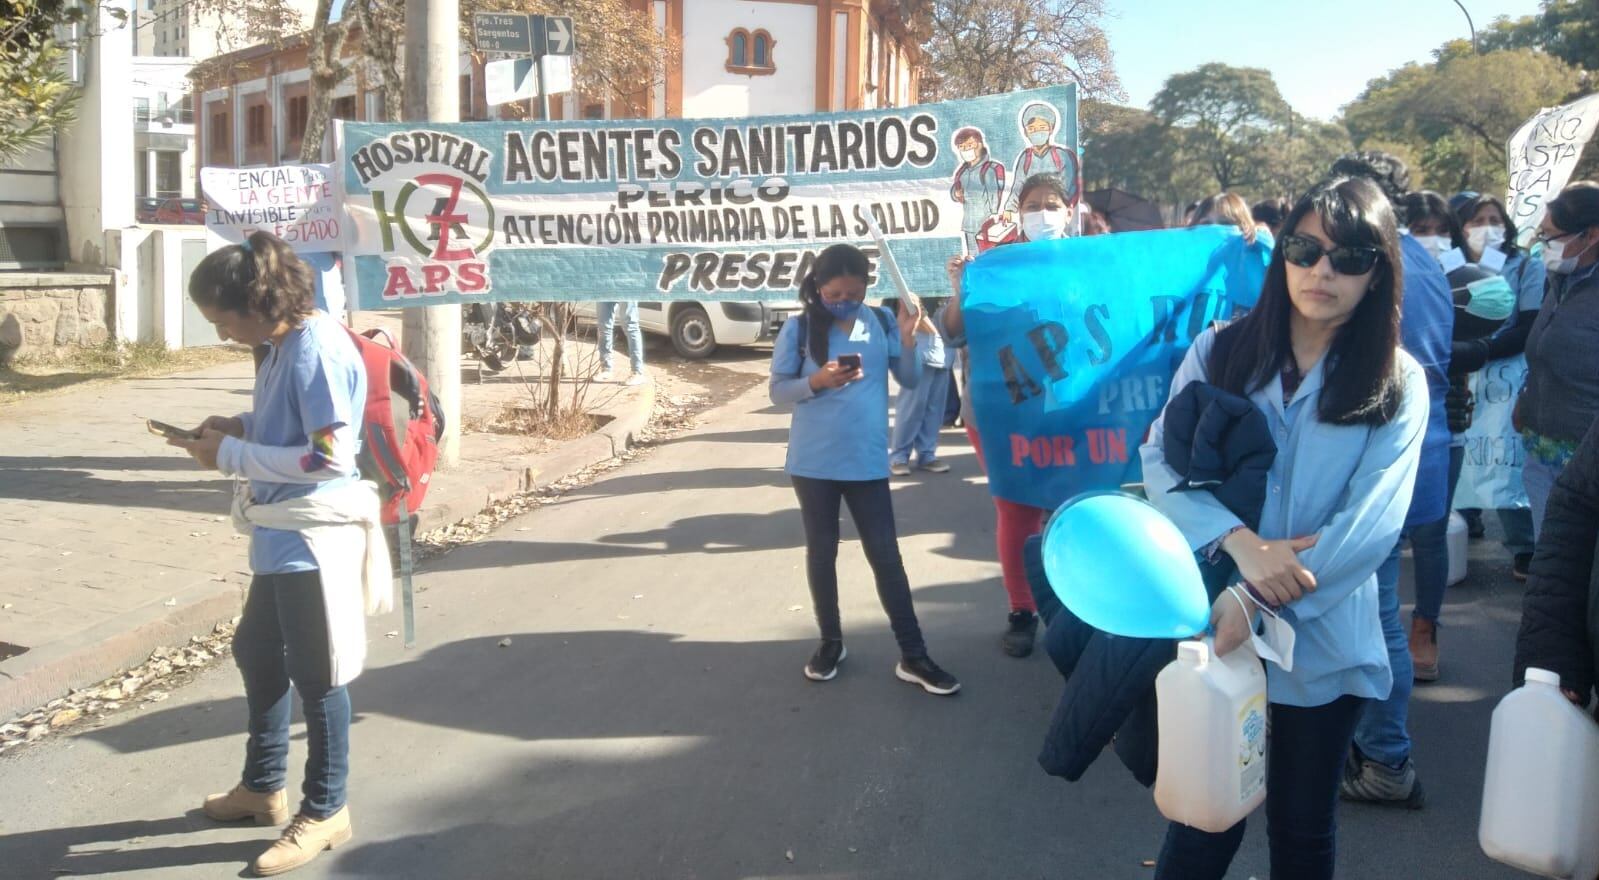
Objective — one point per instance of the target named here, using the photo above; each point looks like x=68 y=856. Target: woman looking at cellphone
x=315 y=538
x=1319 y=355
x=832 y=363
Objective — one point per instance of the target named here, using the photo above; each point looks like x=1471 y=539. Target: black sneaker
x=824 y=663
x=1521 y=567
x=923 y=671
x=1018 y=638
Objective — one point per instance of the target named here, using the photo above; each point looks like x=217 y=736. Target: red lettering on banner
x=1107 y=446
x=433 y=277
x=399 y=284
x=1059 y=450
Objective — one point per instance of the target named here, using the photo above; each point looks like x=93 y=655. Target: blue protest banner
x=1073 y=344
x=660 y=209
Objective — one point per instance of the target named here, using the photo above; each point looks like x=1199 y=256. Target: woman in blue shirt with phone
x=832 y=363
x=1320 y=356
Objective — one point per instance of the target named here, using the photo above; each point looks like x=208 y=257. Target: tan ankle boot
x=1424 y=648
x=266 y=808
x=302 y=841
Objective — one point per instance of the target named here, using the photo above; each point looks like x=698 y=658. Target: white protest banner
x=1490 y=474
x=298 y=203
x=1543 y=153
x=702 y=209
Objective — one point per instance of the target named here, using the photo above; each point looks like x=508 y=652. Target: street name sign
x=507 y=32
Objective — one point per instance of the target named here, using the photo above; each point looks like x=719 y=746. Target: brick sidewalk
x=115 y=544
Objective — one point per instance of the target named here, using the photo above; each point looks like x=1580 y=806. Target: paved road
x=649 y=719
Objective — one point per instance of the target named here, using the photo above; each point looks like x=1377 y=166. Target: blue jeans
x=1382 y=734
x=1539 y=480
x=605 y=315
x=282 y=638
x=1307 y=748
x=1429 y=544
x=918 y=417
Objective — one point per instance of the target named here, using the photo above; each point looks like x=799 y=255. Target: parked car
x=181 y=211
x=697 y=328
x=144 y=208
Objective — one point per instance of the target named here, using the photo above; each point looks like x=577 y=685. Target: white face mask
x=1275 y=641
x=1481 y=238
x=1435 y=244
x=968 y=156
x=1044 y=225
x=1555 y=259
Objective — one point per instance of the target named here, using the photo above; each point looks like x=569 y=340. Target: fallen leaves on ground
x=169 y=667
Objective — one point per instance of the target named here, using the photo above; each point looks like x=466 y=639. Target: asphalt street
x=648 y=718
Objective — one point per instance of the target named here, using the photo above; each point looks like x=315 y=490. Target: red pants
x=1015 y=523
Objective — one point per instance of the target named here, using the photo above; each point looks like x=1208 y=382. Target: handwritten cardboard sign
x=298 y=203
x=1543 y=153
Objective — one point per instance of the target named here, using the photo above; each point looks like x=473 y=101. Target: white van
x=697 y=328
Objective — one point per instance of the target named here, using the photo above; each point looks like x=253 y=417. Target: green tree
x=1566 y=29
x=1459 y=112
x=1297 y=155
x=1222 y=117
x=37 y=98
x=988 y=47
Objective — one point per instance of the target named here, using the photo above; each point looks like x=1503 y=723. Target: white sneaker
x=604 y=375
x=636 y=379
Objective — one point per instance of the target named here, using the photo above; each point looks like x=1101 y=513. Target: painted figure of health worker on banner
x=699 y=209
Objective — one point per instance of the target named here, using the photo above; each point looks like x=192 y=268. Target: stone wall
x=43 y=313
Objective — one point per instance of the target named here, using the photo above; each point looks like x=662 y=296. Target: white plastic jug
x=1540 y=797
x=1458 y=540
x=1212 y=770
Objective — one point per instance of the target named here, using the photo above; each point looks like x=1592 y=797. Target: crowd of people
x=1378 y=305
x=1378 y=302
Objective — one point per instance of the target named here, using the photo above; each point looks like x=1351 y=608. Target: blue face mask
x=1490 y=298
x=844 y=309
x=1038 y=138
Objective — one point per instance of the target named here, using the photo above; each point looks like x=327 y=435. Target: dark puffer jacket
x=1560 y=614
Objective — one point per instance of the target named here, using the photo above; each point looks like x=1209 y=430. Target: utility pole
x=432 y=334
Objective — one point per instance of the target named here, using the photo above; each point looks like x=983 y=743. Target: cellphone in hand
x=162 y=429
x=849 y=362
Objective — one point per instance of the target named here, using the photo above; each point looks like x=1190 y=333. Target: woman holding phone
x=314 y=538
x=832 y=363
x=1319 y=355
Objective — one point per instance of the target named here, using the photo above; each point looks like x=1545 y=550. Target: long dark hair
x=261 y=278
x=1363 y=384
x=1472 y=208
x=840 y=259
x=1428 y=205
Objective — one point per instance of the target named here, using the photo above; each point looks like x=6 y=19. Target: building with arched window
x=758 y=57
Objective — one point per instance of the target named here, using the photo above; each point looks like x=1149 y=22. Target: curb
x=48 y=672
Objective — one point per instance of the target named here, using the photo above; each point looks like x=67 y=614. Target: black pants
x=873 y=511
x=1305 y=762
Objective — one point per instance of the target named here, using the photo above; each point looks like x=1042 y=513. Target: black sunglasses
x=1304 y=251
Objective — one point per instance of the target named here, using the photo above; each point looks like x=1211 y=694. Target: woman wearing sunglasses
x=1562 y=394
x=1320 y=357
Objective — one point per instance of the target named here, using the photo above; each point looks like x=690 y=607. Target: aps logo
x=437 y=226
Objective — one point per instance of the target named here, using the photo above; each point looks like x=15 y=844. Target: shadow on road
x=95 y=849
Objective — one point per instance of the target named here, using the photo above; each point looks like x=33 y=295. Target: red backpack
x=401 y=427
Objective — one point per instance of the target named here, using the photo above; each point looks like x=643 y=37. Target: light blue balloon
x=1124 y=568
